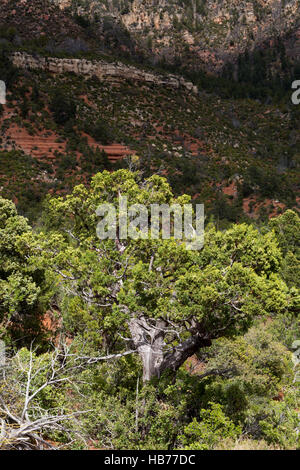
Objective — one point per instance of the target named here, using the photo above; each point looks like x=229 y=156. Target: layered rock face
x=196 y=34
x=63 y=3
x=110 y=72
x=145 y=15
x=215 y=32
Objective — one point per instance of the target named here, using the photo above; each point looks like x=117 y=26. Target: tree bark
x=149 y=342
x=174 y=359
x=150 y=345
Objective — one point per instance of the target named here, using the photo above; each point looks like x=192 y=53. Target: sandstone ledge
x=109 y=72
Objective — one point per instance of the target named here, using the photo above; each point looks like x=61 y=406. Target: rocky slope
x=212 y=32
x=75 y=109
x=235 y=156
x=109 y=72
x=41 y=18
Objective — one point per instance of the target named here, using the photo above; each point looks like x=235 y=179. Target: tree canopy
x=153 y=296
x=22 y=284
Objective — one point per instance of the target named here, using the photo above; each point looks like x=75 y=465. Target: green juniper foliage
x=227 y=316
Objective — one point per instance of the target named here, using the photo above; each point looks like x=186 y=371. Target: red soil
x=44 y=144
x=267 y=204
x=194 y=366
x=114 y=151
x=251 y=205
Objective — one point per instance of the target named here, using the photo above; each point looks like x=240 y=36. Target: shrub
x=214 y=427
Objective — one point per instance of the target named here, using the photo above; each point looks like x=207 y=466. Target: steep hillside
x=252 y=46
x=59 y=128
x=31 y=20
x=204 y=32
x=128 y=341
x=73 y=109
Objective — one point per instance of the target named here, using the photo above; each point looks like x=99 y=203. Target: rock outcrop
x=109 y=72
x=214 y=32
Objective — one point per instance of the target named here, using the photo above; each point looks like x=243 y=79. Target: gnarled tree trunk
x=149 y=341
